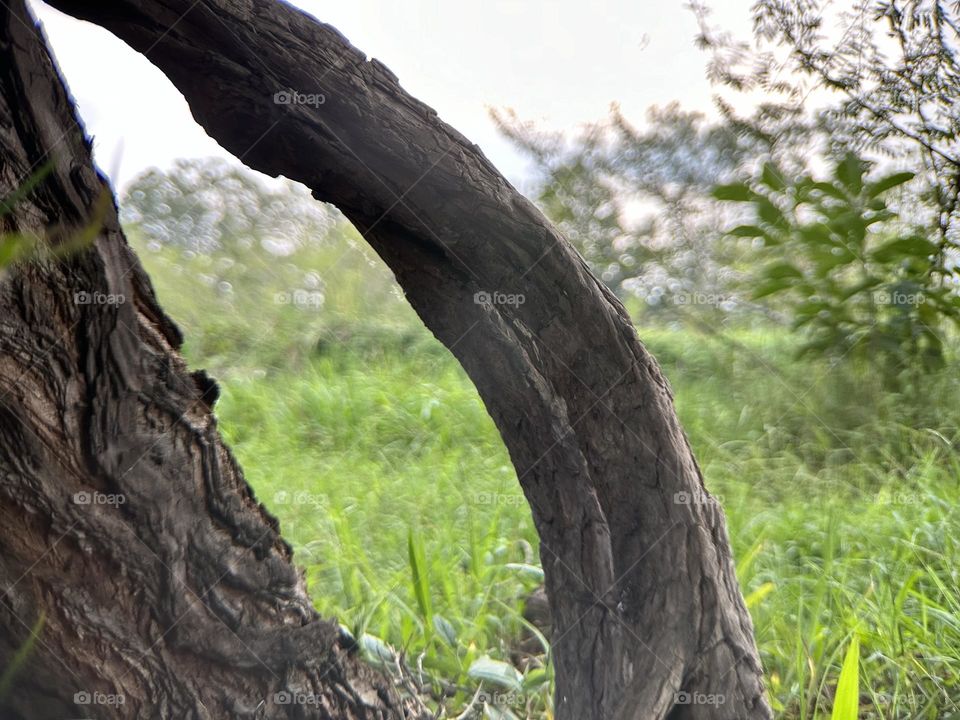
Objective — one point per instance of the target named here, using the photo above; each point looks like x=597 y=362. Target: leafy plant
x=844 y=266
x=634 y=199
x=885 y=75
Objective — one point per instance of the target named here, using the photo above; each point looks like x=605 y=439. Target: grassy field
x=368 y=442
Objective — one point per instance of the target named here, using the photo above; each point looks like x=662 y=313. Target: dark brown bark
x=182 y=600
x=641 y=584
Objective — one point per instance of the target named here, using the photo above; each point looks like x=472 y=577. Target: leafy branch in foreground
x=859 y=280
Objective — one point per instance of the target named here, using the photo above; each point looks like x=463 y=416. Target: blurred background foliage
x=850 y=274
x=261 y=273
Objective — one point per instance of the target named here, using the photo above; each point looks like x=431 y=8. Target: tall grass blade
x=418 y=572
x=846 y=703
x=20 y=657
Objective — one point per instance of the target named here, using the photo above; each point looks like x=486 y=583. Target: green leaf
x=735 y=192
x=850 y=173
x=12 y=247
x=808 y=311
x=866 y=284
x=747 y=231
x=829 y=189
x=445 y=630
x=745 y=562
x=814 y=234
x=759 y=594
x=535 y=678
x=376 y=650
x=826 y=261
x=20 y=657
x=10 y=201
x=850 y=225
x=531 y=571
x=496 y=672
x=772 y=177
x=817 y=347
x=888 y=182
x=910 y=246
x=495 y=712
x=781 y=270
x=418 y=566
x=770 y=213
x=881 y=215
x=846 y=702
x=769 y=288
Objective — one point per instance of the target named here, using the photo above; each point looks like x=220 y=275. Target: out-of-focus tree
x=209 y=204
x=887 y=73
x=636 y=201
x=237 y=259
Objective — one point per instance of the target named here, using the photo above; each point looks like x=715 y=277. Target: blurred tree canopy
x=636 y=202
x=260 y=256
x=209 y=204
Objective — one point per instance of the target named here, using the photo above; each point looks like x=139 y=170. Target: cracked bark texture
x=646 y=608
x=183 y=599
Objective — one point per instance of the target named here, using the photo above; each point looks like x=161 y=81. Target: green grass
x=369 y=443
x=355 y=453
x=359 y=448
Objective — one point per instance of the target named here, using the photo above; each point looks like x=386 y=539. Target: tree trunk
x=132 y=551
x=648 y=617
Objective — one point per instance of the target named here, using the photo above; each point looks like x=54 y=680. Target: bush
x=858 y=280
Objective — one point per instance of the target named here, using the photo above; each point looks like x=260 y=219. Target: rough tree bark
x=181 y=601
x=647 y=611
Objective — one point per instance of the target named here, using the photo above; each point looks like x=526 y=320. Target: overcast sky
x=560 y=63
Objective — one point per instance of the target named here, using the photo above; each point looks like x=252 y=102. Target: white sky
x=560 y=63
